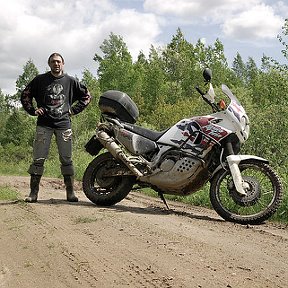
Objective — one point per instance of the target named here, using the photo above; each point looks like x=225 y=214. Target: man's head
x=56 y=64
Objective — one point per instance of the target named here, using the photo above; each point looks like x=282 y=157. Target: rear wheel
x=263 y=197
x=104 y=181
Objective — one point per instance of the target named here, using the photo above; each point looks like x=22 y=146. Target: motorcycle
x=182 y=159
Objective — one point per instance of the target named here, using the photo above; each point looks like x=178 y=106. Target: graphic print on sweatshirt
x=55 y=100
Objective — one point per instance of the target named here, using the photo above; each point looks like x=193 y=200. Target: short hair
x=55 y=54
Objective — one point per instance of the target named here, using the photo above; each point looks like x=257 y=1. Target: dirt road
x=136 y=243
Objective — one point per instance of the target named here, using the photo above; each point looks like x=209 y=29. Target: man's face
x=56 y=64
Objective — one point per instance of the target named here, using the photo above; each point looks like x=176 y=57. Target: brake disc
x=253 y=192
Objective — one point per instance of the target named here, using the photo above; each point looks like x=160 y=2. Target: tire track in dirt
x=136 y=243
x=124 y=269
x=128 y=268
x=67 y=242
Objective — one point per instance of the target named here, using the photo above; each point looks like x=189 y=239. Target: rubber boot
x=69 y=183
x=34 y=188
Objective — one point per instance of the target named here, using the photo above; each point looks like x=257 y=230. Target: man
x=58 y=97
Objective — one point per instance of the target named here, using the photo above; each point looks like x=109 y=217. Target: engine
x=175 y=173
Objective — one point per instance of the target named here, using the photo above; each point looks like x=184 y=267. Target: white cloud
x=242 y=20
x=197 y=11
x=72 y=27
x=77 y=28
x=136 y=29
x=281 y=8
x=260 y=22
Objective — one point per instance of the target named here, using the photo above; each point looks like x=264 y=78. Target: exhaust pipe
x=116 y=151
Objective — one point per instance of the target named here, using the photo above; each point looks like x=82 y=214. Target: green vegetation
x=83 y=220
x=6 y=193
x=162 y=85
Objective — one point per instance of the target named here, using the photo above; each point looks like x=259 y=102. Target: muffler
x=116 y=151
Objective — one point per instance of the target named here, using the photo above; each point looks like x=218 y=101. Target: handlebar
x=199 y=90
x=214 y=107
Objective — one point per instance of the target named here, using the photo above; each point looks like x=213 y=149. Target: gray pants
x=41 y=148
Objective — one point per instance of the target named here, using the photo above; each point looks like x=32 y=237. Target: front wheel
x=263 y=198
x=105 y=181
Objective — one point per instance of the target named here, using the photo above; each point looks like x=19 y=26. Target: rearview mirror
x=207 y=74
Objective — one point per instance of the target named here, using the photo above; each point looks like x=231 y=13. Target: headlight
x=243 y=122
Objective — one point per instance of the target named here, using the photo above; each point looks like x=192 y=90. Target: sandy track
x=136 y=243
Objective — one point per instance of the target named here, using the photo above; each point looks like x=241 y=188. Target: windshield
x=237 y=114
x=228 y=92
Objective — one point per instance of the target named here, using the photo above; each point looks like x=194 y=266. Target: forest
x=162 y=85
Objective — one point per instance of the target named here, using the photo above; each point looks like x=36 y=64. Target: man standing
x=58 y=97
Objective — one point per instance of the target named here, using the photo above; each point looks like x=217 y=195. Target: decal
x=214 y=131
x=236 y=110
x=55 y=99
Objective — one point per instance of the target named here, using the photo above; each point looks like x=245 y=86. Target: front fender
x=233 y=162
x=238 y=158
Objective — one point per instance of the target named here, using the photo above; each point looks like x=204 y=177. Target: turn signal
x=222 y=105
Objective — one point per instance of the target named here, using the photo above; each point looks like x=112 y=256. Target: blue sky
x=76 y=28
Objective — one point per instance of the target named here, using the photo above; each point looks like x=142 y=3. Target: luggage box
x=120 y=105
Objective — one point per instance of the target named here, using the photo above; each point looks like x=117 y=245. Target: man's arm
x=83 y=100
x=26 y=100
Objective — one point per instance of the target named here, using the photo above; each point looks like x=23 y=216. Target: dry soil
x=136 y=243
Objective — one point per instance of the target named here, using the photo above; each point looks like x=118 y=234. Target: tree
x=154 y=82
x=29 y=72
x=87 y=121
x=140 y=68
x=4 y=102
x=218 y=63
x=239 y=68
x=4 y=113
x=213 y=57
x=19 y=129
x=269 y=88
x=91 y=83
x=115 y=66
x=269 y=62
x=252 y=71
x=180 y=66
x=285 y=33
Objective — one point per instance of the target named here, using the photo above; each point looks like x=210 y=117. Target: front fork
x=233 y=163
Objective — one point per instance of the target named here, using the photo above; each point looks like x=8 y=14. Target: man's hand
x=39 y=111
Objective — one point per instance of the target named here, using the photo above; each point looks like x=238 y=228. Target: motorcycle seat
x=145 y=132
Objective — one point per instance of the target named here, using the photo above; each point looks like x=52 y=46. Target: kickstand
x=163 y=199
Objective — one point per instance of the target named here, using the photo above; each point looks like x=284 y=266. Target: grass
x=7 y=193
x=83 y=220
x=52 y=165
x=200 y=198
x=82 y=159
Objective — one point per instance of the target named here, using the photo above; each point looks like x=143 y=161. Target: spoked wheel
x=264 y=193
x=105 y=181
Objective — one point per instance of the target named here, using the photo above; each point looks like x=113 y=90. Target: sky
x=33 y=29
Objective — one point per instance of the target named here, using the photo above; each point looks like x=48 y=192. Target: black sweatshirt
x=56 y=96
